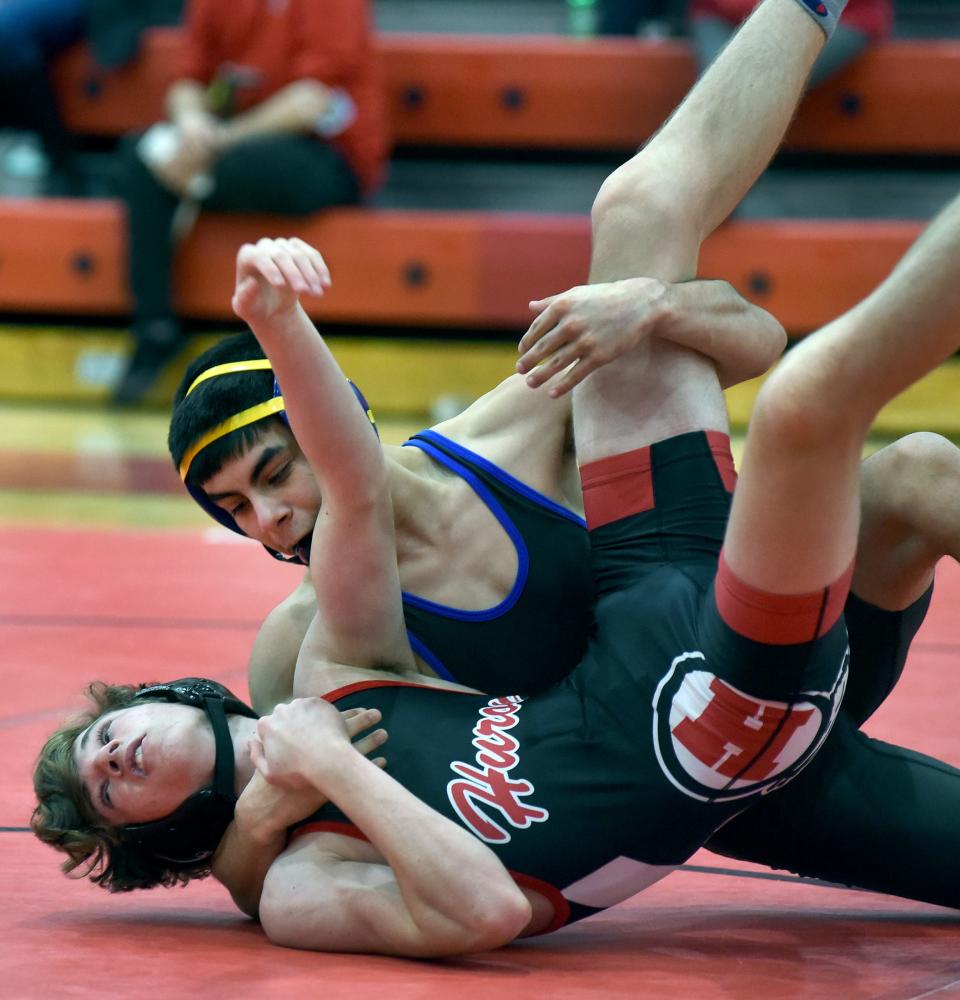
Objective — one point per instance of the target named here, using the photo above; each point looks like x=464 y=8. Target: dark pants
x=32 y=33
x=624 y=17
x=284 y=174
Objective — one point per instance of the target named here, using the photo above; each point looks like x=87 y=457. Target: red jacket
x=267 y=44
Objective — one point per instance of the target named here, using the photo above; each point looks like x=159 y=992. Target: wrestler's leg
x=651 y=214
x=864 y=813
x=909 y=519
x=879 y=643
x=699 y=165
x=795 y=516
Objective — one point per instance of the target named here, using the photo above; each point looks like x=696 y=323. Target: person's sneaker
x=157 y=343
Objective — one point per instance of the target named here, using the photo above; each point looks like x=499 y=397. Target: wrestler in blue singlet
x=537 y=633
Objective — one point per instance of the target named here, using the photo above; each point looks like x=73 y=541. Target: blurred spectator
x=32 y=34
x=712 y=22
x=650 y=18
x=279 y=108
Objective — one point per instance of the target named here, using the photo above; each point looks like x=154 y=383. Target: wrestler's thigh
x=879 y=644
x=667 y=503
x=864 y=813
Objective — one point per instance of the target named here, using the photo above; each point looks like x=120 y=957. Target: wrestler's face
x=270 y=491
x=139 y=764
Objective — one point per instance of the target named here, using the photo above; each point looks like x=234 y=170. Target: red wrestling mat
x=137 y=606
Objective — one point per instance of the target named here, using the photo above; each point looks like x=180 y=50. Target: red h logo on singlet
x=739 y=737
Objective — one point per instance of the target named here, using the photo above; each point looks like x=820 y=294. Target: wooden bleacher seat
x=561 y=93
x=431 y=268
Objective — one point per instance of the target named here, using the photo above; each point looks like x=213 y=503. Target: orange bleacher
x=479 y=269
x=429 y=268
x=553 y=92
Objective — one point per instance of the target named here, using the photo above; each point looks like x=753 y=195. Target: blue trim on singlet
x=494 y=470
x=493 y=505
x=429 y=657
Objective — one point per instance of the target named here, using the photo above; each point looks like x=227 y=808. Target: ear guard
x=191 y=833
x=243 y=419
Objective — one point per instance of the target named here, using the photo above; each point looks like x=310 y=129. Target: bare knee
x=794 y=413
x=638 y=230
x=623 y=194
x=910 y=478
x=909 y=518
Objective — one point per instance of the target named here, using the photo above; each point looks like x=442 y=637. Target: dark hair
x=214 y=401
x=66 y=819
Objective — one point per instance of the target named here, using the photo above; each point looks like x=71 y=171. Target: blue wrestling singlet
x=537 y=633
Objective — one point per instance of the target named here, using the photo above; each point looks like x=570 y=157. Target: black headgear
x=190 y=833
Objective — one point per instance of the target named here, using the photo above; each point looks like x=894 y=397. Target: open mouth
x=134 y=758
x=302 y=549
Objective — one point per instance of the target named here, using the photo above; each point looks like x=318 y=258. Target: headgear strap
x=256 y=365
x=245 y=417
x=191 y=833
x=249 y=416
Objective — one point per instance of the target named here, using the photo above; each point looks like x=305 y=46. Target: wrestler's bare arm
x=530 y=436
x=584 y=328
x=265 y=812
x=359 y=611
x=273 y=657
x=526 y=435
x=422 y=887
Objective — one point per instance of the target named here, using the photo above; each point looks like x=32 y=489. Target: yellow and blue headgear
x=244 y=418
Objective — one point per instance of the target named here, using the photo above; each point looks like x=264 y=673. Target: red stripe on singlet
x=778 y=619
x=621 y=485
x=616 y=487
x=342 y=692
x=329 y=826
x=561 y=908
x=720 y=448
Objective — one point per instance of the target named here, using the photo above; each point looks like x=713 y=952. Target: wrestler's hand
x=272 y=274
x=296 y=735
x=587 y=327
x=265 y=808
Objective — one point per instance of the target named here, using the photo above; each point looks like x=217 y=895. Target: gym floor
x=107 y=571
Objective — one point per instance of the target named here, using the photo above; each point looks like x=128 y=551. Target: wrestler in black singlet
x=865 y=813
x=537 y=633
x=671 y=724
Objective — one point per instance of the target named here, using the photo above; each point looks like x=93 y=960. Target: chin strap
x=191 y=833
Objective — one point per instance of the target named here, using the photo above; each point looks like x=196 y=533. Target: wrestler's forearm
x=724 y=133
x=712 y=318
x=253 y=841
x=273 y=656
x=242 y=861
x=329 y=425
x=453 y=887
